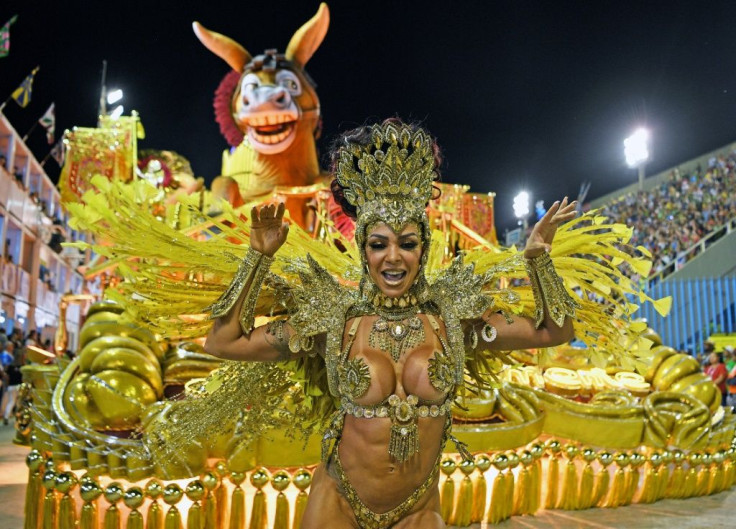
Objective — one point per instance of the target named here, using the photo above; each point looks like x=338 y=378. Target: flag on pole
x=22 y=94
x=48 y=121
x=5 y=37
x=57 y=152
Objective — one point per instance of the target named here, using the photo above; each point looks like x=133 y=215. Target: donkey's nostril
x=245 y=101
x=281 y=99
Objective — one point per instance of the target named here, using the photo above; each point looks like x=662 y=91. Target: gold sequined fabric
x=549 y=291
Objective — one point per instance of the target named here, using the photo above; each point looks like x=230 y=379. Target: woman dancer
x=394 y=347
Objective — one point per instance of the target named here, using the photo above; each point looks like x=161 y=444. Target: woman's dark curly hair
x=362 y=136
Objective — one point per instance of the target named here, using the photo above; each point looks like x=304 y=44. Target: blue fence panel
x=700 y=307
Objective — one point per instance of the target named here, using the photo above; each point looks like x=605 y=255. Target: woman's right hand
x=268 y=230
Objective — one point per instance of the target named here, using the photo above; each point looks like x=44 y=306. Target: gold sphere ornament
x=677 y=457
x=636 y=459
x=513 y=459
x=172 y=494
x=34 y=460
x=707 y=458
x=448 y=466
x=89 y=490
x=694 y=458
x=526 y=458
x=195 y=490
x=571 y=451
x=553 y=446
x=221 y=469
x=49 y=479
x=605 y=458
x=65 y=481
x=719 y=457
x=656 y=459
x=668 y=457
x=154 y=489
x=537 y=450
x=589 y=455
x=259 y=478
x=731 y=453
x=237 y=477
x=280 y=480
x=134 y=497
x=621 y=459
x=210 y=480
x=467 y=467
x=501 y=462
x=483 y=462
x=302 y=479
x=114 y=492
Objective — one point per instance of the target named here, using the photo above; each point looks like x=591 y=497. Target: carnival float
x=625 y=420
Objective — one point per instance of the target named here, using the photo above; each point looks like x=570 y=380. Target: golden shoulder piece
x=391 y=178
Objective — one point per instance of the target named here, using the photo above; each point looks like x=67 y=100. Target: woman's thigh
x=325 y=504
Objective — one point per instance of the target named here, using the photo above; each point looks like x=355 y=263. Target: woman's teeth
x=393 y=277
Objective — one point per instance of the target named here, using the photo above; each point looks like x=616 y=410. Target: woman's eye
x=376 y=245
x=409 y=245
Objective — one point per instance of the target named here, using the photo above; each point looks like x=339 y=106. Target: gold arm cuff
x=252 y=271
x=549 y=290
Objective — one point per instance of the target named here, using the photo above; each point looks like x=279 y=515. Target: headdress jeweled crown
x=389 y=179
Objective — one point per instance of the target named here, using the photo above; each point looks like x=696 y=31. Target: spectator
x=7 y=356
x=716 y=370
x=3 y=339
x=14 y=377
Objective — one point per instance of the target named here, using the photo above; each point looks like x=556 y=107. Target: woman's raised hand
x=543 y=233
x=268 y=230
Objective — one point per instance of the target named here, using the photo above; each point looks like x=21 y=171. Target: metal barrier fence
x=700 y=308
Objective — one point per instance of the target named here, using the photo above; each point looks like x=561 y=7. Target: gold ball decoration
x=302 y=479
x=513 y=459
x=49 y=479
x=259 y=478
x=636 y=459
x=656 y=459
x=537 y=450
x=65 y=481
x=668 y=457
x=34 y=460
x=553 y=446
x=237 y=477
x=133 y=497
x=89 y=490
x=501 y=462
x=677 y=457
x=172 y=494
x=526 y=458
x=694 y=458
x=571 y=451
x=280 y=480
x=195 y=490
x=210 y=480
x=113 y=492
x=605 y=458
x=731 y=453
x=448 y=466
x=154 y=489
x=719 y=457
x=589 y=455
x=621 y=459
x=483 y=462
x=707 y=458
x=221 y=469
x=467 y=467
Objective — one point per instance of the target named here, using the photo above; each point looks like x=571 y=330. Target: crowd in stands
x=674 y=216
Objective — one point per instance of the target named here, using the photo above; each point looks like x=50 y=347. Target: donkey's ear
x=224 y=47
x=307 y=38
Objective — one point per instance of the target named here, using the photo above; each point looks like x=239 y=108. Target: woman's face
x=393 y=258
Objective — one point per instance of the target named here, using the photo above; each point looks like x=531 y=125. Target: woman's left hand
x=543 y=233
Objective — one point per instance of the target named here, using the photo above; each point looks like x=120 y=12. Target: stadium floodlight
x=636 y=151
x=521 y=205
x=114 y=96
x=117 y=112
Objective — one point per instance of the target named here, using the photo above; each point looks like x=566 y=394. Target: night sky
x=520 y=94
